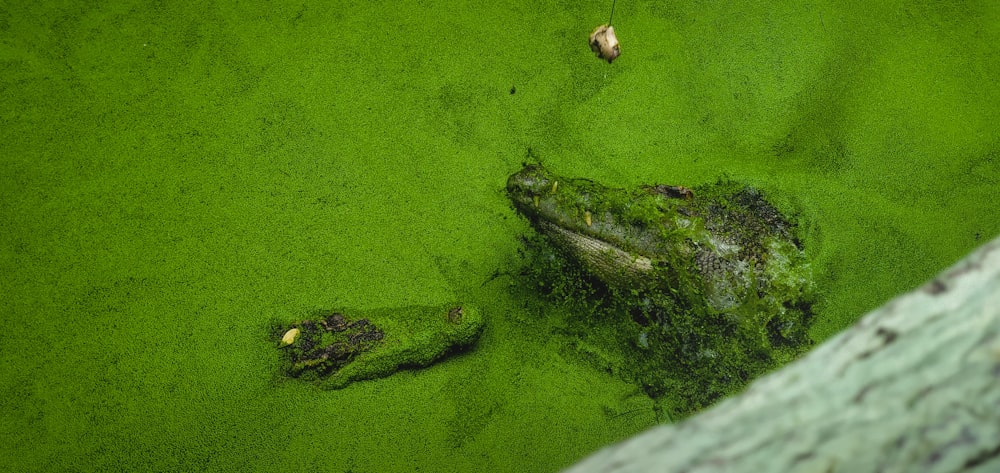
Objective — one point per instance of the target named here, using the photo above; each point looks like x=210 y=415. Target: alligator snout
x=527 y=184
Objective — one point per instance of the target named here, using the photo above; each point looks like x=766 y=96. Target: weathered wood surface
x=914 y=386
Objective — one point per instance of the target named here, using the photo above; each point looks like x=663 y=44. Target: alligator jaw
x=605 y=260
x=562 y=215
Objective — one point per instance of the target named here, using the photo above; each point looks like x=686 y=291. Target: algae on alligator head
x=710 y=285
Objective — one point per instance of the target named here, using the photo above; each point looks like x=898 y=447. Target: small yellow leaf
x=289 y=337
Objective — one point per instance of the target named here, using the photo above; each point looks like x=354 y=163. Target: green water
x=175 y=177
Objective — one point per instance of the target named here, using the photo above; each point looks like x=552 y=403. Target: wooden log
x=914 y=386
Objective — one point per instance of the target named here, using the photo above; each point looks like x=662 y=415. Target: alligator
x=713 y=279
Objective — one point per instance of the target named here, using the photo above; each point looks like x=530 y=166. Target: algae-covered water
x=178 y=175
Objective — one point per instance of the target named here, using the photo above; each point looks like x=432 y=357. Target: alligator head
x=717 y=269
